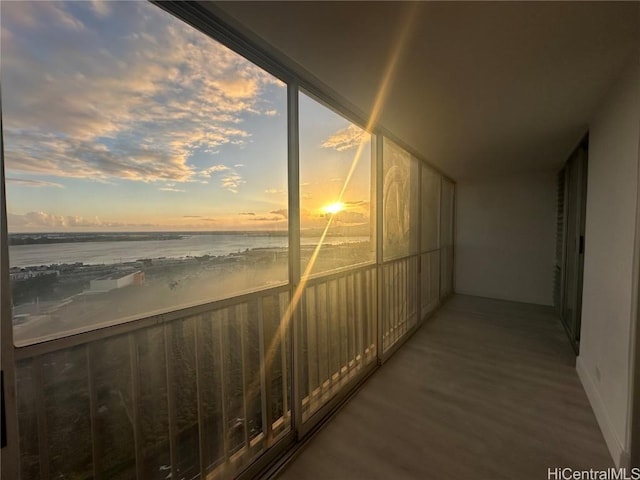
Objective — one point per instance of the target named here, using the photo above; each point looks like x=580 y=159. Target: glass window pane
x=29 y=418
x=335 y=189
x=400 y=201
x=67 y=414
x=210 y=388
x=146 y=165
x=153 y=402
x=430 y=191
x=114 y=408
x=184 y=392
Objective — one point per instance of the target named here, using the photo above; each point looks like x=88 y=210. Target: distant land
x=65 y=237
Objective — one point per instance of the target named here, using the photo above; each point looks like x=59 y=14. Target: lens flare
x=333 y=208
x=338 y=206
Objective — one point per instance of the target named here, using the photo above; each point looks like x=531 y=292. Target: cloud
x=274 y=191
x=102 y=103
x=267 y=219
x=239 y=165
x=43 y=153
x=207 y=172
x=192 y=216
x=101 y=8
x=26 y=17
x=345 y=218
x=283 y=212
x=171 y=189
x=48 y=220
x=33 y=183
x=232 y=182
x=351 y=218
x=237 y=87
x=247 y=213
x=347 y=138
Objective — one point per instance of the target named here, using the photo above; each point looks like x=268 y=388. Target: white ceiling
x=479 y=88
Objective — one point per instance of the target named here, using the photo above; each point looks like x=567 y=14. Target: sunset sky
x=118 y=116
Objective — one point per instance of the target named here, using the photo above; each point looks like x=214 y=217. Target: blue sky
x=118 y=116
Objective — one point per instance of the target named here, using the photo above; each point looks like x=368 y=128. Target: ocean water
x=96 y=253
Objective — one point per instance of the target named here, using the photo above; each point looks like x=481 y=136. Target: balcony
x=484 y=389
x=227 y=249
x=206 y=392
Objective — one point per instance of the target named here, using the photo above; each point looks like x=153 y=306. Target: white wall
x=612 y=193
x=505 y=237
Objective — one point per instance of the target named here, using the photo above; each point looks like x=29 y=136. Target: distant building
x=24 y=274
x=114 y=281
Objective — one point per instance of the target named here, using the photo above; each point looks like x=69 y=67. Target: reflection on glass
x=28 y=417
x=253 y=350
x=209 y=391
x=210 y=387
x=233 y=371
x=67 y=414
x=285 y=338
x=113 y=408
x=335 y=189
x=276 y=341
x=153 y=403
x=322 y=339
x=184 y=393
x=400 y=201
x=146 y=166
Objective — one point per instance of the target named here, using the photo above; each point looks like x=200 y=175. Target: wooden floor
x=486 y=389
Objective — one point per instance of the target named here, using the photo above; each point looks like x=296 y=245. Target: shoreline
x=52 y=299
x=306 y=242
x=48 y=238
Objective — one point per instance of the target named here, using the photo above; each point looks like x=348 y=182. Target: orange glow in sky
x=333 y=208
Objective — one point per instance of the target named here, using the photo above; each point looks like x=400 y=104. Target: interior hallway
x=486 y=389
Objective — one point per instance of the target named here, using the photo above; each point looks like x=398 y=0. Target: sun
x=333 y=208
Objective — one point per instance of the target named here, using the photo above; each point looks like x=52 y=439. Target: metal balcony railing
x=338 y=333
x=203 y=392
x=197 y=396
